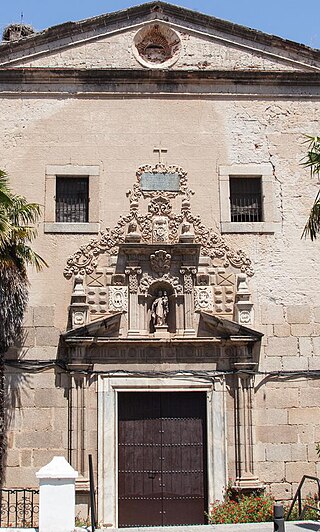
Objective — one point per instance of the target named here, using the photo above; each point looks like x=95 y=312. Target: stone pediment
x=227 y=329
x=107 y=327
x=220 y=330
x=157 y=35
x=100 y=342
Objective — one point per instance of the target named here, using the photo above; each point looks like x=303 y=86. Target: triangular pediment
x=107 y=327
x=213 y=326
x=228 y=329
x=187 y=40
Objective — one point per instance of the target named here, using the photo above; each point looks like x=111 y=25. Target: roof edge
x=158 y=10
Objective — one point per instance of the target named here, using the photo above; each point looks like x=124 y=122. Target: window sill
x=62 y=227
x=250 y=227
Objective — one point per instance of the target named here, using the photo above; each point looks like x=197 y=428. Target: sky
x=291 y=19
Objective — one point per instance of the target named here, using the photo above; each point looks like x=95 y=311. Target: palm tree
x=17 y=231
x=312 y=160
x=5 y=200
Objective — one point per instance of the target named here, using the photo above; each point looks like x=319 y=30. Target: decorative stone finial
x=243 y=306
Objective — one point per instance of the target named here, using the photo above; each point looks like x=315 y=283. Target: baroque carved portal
x=149 y=266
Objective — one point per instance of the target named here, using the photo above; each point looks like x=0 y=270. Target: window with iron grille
x=72 y=199
x=246 y=199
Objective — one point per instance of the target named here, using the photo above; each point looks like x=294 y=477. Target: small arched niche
x=162 y=289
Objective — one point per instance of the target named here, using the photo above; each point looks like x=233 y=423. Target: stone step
x=292 y=526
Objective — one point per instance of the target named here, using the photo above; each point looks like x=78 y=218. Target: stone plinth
x=161 y=331
x=57 y=496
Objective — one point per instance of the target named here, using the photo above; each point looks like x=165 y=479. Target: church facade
x=175 y=334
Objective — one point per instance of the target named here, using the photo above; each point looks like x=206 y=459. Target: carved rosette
x=203 y=298
x=133 y=272
x=118 y=298
x=78 y=318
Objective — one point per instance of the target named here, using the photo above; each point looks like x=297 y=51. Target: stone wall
x=201 y=133
x=37 y=411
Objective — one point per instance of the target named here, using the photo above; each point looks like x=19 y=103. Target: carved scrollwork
x=118 y=298
x=160 y=262
x=203 y=298
x=147 y=229
x=188 y=272
x=85 y=260
x=161 y=168
x=147 y=280
x=213 y=246
x=160 y=206
x=133 y=272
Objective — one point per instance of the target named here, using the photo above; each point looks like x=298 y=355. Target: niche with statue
x=161 y=307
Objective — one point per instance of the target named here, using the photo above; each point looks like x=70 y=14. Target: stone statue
x=160 y=309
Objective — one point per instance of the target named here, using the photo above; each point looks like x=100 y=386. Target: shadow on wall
x=14 y=382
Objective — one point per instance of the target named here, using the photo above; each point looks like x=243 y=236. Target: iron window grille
x=246 y=199
x=72 y=199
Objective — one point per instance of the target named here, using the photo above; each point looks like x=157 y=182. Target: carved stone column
x=133 y=272
x=78 y=423
x=188 y=272
x=245 y=477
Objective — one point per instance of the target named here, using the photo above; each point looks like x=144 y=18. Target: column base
x=189 y=332
x=248 y=482
x=134 y=334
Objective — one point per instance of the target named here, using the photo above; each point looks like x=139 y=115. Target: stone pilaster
x=245 y=477
x=78 y=423
x=133 y=273
x=188 y=272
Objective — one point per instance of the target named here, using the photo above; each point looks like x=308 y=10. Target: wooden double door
x=162 y=478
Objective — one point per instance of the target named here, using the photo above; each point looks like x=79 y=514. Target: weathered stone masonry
x=225 y=101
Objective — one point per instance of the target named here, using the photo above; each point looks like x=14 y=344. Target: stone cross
x=160 y=151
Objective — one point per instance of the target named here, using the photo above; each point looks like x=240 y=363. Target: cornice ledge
x=22 y=75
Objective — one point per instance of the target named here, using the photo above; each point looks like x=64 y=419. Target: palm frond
x=5 y=225
x=312 y=159
x=312 y=227
x=17 y=231
x=5 y=194
x=22 y=212
x=28 y=257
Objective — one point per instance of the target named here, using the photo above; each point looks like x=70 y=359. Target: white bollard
x=57 y=496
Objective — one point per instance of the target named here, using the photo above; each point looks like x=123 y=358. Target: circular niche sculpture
x=156 y=46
